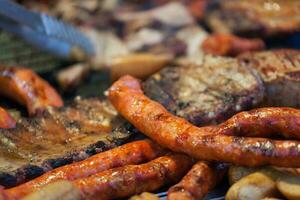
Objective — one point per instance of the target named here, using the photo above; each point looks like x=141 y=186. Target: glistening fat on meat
x=57 y=137
x=208 y=93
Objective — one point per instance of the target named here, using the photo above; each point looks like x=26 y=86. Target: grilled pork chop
x=58 y=137
x=254 y=17
x=208 y=93
x=280 y=70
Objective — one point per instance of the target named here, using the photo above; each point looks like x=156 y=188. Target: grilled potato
x=145 y=196
x=138 y=65
x=235 y=173
x=255 y=186
x=289 y=186
x=61 y=190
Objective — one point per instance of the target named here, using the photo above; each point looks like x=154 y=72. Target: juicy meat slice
x=253 y=18
x=280 y=70
x=230 y=45
x=206 y=94
x=6 y=121
x=133 y=179
x=198 y=181
x=27 y=88
x=57 y=137
x=204 y=143
x=127 y=154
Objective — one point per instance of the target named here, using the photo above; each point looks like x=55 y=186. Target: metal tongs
x=44 y=32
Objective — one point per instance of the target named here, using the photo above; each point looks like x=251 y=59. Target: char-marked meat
x=253 y=18
x=207 y=93
x=58 y=137
x=280 y=70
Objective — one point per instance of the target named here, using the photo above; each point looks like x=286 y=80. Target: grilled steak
x=254 y=17
x=280 y=70
x=208 y=93
x=58 y=137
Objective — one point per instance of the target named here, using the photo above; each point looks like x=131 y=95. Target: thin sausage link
x=134 y=179
x=198 y=182
x=264 y=122
x=131 y=153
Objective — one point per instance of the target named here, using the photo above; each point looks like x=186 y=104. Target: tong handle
x=20 y=15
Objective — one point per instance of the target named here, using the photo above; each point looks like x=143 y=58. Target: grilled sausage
x=179 y=135
x=264 y=122
x=6 y=121
x=199 y=180
x=134 y=179
x=27 y=88
x=131 y=153
x=230 y=45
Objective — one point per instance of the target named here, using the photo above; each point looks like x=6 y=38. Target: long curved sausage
x=131 y=153
x=6 y=121
x=27 y=88
x=134 y=179
x=198 y=181
x=264 y=122
x=177 y=134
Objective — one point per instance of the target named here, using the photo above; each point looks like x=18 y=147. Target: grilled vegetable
x=72 y=76
x=255 y=186
x=61 y=190
x=289 y=186
x=138 y=65
x=145 y=196
x=236 y=173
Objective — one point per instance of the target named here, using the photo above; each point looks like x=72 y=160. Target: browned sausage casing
x=27 y=88
x=134 y=179
x=198 y=182
x=177 y=134
x=6 y=121
x=131 y=153
x=264 y=122
x=230 y=45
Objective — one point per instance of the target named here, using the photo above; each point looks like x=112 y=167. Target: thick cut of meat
x=254 y=17
x=208 y=93
x=58 y=137
x=280 y=70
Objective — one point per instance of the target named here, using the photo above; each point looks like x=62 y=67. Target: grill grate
x=14 y=51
